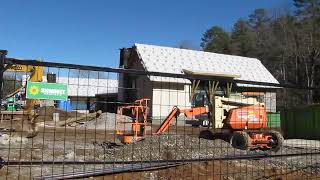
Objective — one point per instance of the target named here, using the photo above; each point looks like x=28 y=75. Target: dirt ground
x=181 y=142
x=216 y=170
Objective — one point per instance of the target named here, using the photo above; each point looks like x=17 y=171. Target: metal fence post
x=3 y=54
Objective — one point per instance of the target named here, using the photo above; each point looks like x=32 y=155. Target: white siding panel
x=164 y=99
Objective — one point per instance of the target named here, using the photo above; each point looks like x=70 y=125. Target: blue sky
x=91 y=32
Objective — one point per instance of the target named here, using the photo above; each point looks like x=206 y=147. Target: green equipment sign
x=51 y=91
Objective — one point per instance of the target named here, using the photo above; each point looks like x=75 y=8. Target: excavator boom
x=19 y=68
x=35 y=76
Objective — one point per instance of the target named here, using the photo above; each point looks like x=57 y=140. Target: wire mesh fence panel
x=73 y=121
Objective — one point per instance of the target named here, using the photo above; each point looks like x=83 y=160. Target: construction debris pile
x=46 y=114
x=94 y=120
x=106 y=121
x=74 y=121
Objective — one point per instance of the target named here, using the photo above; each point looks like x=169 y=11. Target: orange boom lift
x=244 y=122
x=245 y=126
x=139 y=113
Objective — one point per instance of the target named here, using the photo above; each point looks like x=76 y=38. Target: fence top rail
x=150 y=73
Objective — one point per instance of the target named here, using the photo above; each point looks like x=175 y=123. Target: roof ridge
x=194 y=50
x=139 y=55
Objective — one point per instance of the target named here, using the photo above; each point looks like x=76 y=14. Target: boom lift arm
x=194 y=111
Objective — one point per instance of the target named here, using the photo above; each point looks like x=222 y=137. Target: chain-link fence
x=62 y=121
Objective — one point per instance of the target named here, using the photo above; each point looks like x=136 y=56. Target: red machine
x=245 y=126
x=249 y=129
x=139 y=111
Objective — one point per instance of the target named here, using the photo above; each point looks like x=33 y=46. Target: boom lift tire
x=240 y=140
x=278 y=140
x=206 y=134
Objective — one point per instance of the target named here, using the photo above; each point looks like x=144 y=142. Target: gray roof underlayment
x=174 y=60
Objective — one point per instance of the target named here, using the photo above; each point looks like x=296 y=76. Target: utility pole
x=3 y=54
